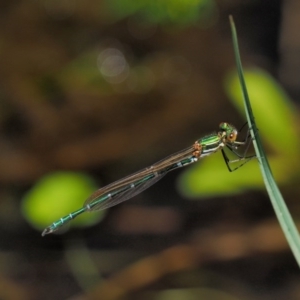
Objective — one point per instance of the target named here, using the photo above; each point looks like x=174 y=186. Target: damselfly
x=134 y=184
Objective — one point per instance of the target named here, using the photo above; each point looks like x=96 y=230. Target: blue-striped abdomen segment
x=62 y=221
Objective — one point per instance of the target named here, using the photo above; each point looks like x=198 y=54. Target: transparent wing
x=105 y=201
x=134 y=184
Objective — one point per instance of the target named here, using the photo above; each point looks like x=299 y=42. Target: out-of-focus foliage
x=56 y=195
x=275 y=117
x=113 y=72
x=272 y=107
x=193 y=294
x=179 y=12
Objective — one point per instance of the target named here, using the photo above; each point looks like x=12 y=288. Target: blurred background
x=91 y=91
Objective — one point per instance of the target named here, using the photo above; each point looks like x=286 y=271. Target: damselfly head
x=228 y=131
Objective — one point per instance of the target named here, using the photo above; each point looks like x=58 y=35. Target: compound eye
x=232 y=136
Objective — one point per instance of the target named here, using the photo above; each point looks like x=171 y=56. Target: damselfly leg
x=234 y=149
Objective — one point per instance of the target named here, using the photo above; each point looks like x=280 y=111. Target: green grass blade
x=281 y=210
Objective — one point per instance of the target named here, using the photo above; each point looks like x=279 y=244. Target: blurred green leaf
x=56 y=195
x=210 y=177
x=182 y=12
x=272 y=107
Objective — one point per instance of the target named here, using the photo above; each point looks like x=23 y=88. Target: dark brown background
x=57 y=113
